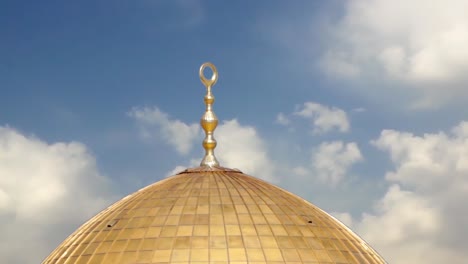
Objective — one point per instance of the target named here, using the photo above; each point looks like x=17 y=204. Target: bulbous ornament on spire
x=209 y=121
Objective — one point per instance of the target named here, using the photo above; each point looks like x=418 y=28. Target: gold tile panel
x=213 y=216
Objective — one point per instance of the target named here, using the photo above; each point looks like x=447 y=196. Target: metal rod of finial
x=209 y=121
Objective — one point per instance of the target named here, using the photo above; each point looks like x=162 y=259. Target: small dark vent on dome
x=112 y=223
x=308 y=219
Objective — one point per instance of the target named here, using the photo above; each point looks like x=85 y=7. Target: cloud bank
x=323 y=118
x=239 y=146
x=422 y=217
x=332 y=160
x=155 y=124
x=46 y=191
x=415 y=44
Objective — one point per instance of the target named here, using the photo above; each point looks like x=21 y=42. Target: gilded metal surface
x=209 y=121
x=213 y=215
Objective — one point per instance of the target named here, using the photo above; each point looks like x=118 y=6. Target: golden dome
x=213 y=215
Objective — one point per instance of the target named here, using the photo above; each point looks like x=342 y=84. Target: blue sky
x=357 y=106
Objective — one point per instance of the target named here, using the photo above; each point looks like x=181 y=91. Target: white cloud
x=282 y=119
x=345 y=218
x=420 y=44
x=157 y=124
x=336 y=63
x=301 y=171
x=177 y=169
x=238 y=146
x=422 y=218
x=324 y=118
x=359 y=110
x=46 y=191
x=241 y=147
x=424 y=161
x=331 y=160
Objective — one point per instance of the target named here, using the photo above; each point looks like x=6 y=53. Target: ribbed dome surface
x=208 y=215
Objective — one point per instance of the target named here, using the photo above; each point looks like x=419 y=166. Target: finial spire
x=209 y=121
